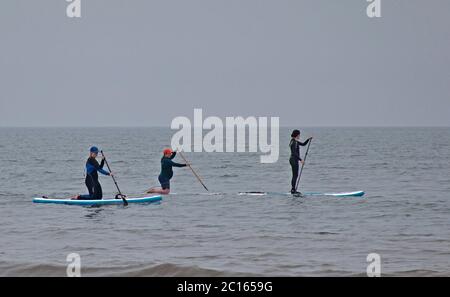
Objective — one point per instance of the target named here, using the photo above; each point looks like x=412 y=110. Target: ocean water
x=404 y=216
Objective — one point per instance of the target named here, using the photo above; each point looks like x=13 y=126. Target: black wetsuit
x=94 y=187
x=294 y=160
x=166 y=170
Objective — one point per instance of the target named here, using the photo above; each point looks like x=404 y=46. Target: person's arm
x=102 y=163
x=294 y=151
x=173 y=155
x=304 y=143
x=174 y=164
x=102 y=171
x=98 y=167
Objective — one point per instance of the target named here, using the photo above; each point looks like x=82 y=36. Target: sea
x=404 y=217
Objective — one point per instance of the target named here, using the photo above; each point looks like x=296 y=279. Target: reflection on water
x=94 y=212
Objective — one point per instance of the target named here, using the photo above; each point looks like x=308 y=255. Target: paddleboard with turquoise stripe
x=111 y=201
x=341 y=194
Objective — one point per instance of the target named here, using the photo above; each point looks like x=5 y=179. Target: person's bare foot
x=75 y=197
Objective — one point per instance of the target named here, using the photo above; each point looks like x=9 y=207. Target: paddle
x=303 y=165
x=196 y=175
x=125 y=202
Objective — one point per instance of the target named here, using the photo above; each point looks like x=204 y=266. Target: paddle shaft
x=114 y=179
x=303 y=164
x=196 y=175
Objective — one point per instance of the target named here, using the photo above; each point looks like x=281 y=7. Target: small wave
x=325 y=233
x=229 y=175
x=18 y=175
x=414 y=234
x=10 y=195
x=120 y=162
x=32 y=270
x=158 y=270
x=169 y=270
x=418 y=273
x=329 y=272
x=220 y=167
x=407 y=273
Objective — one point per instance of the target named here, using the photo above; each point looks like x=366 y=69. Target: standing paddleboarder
x=166 y=172
x=91 y=181
x=295 y=158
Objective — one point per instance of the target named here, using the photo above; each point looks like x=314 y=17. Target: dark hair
x=295 y=133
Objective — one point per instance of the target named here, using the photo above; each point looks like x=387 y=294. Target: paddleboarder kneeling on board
x=166 y=172
x=295 y=158
x=92 y=167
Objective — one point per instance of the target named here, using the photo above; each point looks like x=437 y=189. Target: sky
x=144 y=62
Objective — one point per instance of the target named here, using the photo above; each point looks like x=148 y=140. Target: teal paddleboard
x=342 y=194
x=149 y=199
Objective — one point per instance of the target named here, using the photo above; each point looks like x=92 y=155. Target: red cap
x=167 y=151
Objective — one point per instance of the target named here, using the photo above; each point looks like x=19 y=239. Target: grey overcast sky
x=143 y=62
